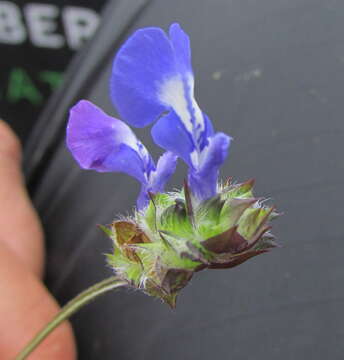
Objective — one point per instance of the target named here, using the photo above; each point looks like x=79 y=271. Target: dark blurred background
x=271 y=74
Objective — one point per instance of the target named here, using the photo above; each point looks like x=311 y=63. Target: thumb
x=20 y=229
x=25 y=304
x=26 y=307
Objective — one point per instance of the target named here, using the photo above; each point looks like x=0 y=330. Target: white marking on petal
x=144 y=154
x=180 y=97
x=172 y=94
x=204 y=153
x=199 y=120
x=194 y=156
x=123 y=134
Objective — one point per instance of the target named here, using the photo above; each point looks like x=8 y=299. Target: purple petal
x=143 y=198
x=139 y=69
x=170 y=133
x=158 y=178
x=181 y=45
x=203 y=182
x=102 y=143
x=165 y=168
x=127 y=160
x=208 y=132
x=151 y=75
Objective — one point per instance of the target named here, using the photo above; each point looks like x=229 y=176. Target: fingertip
x=20 y=228
x=10 y=146
x=26 y=307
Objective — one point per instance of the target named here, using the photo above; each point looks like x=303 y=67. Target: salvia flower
x=171 y=235
x=152 y=79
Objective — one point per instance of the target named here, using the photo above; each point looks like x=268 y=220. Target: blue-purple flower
x=171 y=235
x=105 y=144
x=152 y=80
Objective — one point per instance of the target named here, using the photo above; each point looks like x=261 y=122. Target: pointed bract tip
x=171 y=301
x=244 y=201
x=250 y=183
x=105 y=230
x=228 y=181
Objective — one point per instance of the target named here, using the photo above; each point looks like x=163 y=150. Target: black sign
x=37 y=41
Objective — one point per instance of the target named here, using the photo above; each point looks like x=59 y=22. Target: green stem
x=69 y=309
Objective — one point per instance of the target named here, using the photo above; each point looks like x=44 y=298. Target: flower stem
x=69 y=309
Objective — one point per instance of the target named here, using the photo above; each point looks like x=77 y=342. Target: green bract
x=162 y=246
